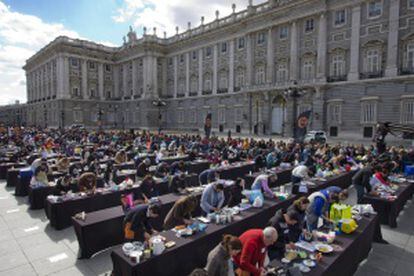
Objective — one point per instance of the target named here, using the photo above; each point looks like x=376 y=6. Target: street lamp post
x=159 y=103
x=62 y=119
x=100 y=113
x=45 y=116
x=295 y=93
x=115 y=116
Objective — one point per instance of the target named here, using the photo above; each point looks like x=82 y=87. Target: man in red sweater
x=255 y=243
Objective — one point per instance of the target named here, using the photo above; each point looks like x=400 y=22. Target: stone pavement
x=29 y=246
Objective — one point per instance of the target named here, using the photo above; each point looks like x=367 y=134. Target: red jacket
x=252 y=256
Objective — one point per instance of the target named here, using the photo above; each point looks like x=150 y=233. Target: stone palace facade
x=352 y=62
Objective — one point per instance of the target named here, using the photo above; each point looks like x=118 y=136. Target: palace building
x=350 y=62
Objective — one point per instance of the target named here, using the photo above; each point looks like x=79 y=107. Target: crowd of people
x=245 y=253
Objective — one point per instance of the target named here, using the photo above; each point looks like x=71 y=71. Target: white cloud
x=21 y=36
x=166 y=15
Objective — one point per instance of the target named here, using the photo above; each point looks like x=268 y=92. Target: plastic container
x=409 y=170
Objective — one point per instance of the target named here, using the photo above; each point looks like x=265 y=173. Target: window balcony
x=237 y=89
x=207 y=92
x=222 y=90
x=407 y=71
x=127 y=97
x=371 y=75
x=168 y=96
x=137 y=96
x=193 y=94
x=180 y=95
x=337 y=78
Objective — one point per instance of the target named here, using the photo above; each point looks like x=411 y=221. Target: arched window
x=308 y=72
x=260 y=74
x=207 y=82
x=240 y=78
x=223 y=80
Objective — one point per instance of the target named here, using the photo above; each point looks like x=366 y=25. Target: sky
x=28 y=25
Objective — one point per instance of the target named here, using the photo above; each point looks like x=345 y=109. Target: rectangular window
x=194 y=55
x=338 y=65
x=411 y=4
x=261 y=38
x=75 y=91
x=181 y=58
x=223 y=47
x=222 y=115
x=241 y=43
x=74 y=62
x=208 y=51
x=407 y=111
x=368 y=112
x=181 y=116
x=373 y=61
x=340 y=17
x=374 y=9
x=335 y=113
x=283 y=33
x=238 y=116
x=282 y=73
x=260 y=75
x=333 y=131
x=410 y=56
x=193 y=116
x=368 y=132
x=240 y=78
x=91 y=65
x=309 y=25
x=170 y=61
x=107 y=68
x=308 y=70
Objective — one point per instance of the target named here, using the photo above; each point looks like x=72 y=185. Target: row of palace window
x=369 y=112
x=74 y=62
x=372 y=64
x=220 y=115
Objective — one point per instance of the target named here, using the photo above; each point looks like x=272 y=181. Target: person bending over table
x=219 y=260
x=319 y=203
x=63 y=164
x=255 y=243
x=361 y=182
x=87 y=182
x=177 y=167
x=162 y=170
x=262 y=183
x=64 y=184
x=208 y=176
x=137 y=224
x=142 y=169
x=148 y=186
x=236 y=190
x=342 y=193
x=177 y=183
x=289 y=225
x=299 y=174
x=40 y=176
x=212 y=198
x=180 y=213
x=120 y=157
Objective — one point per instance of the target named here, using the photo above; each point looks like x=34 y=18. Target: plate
x=304 y=268
x=309 y=263
x=323 y=248
x=285 y=261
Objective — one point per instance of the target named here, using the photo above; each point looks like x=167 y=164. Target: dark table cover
x=4 y=167
x=197 y=167
x=388 y=211
x=234 y=171
x=190 y=253
x=356 y=247
x=283 y=177
x=12 y=177
x=60 y=213
x=22 y=185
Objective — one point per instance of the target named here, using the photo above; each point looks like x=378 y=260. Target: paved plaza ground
x=29 y=246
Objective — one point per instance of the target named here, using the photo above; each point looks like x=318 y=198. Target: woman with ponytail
x=219 y=260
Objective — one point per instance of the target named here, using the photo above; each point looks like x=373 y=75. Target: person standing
x=361 y=182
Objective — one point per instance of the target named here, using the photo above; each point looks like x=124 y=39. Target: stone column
x=270 y=56
x=164 y=77
x=231 y=66
x=154 y=77
x=249 y=60
x=101 y=81
x=294 y=59
x=355 y=35
x=175 y=76
x=84 y=84
x=187 y=74
x=215 y=68
x=200 y=72
x=59 y=76
x=392 y=47
x=125 y=79
x=66 y=85
x=322 y=46
x=134 y=78
x=115 y=72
